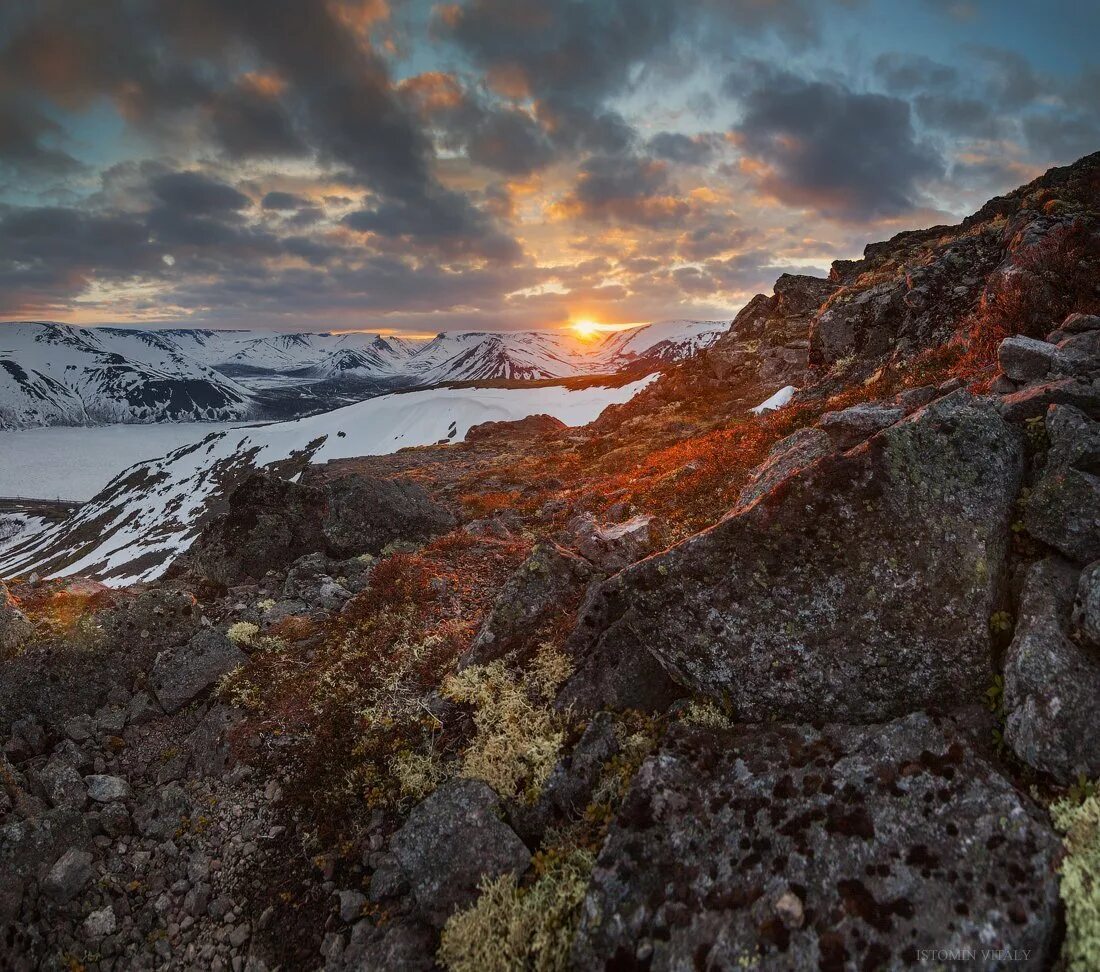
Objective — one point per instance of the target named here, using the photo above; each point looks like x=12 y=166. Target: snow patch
x=778 y=400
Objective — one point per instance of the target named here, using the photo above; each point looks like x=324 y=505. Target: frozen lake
x=76 y=463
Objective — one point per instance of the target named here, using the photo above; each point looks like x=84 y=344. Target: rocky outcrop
x=530 y=427
x=450 y=842
x=788 y=456
x=272 y=522
x=853 y=425
x=858 y=589
x=1063 y=509
x=1051 y=684
x=15 y=629
x=181 y=674
x=548 y=582
x=364 y=514
x=793 y=847
x=610 y=546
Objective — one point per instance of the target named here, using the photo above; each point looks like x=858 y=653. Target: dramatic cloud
x=850 y=155
x=502 y=163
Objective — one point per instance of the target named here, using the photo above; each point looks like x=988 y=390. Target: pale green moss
x=513 y=929
x=1080 y=884
x=242 y=632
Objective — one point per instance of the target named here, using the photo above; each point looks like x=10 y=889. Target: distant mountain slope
x=150 y=513
x=57 y=374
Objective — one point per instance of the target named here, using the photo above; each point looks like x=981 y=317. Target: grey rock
x=1074 y=439
x=853 y=425
x=610 y=546
x=351 y=905
x=792 y=847
x=107 y=789
x=365 y=514
x=388 y=880
x=15 y=628
x=1080 y=323
x=913 y=398
x=1027 y=360
x=1051 y=686
x=859 y=590
x=181 y=674
x=450 y=842
x=69 y=875
x=788 y=456
x=1086 y=608
x=269 y=524
x=62 y=784
x=79 y=728
x=1029 y=403
x=403 y=946
x=100 y=923
x=549 y=581
x=154 y=620
x=1063 y=510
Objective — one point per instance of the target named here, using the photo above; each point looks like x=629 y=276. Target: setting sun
x=586 y=329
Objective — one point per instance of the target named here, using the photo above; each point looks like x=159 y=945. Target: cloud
x=624 y=189
x=959 y=116
x=198 y=194
x=25 y=136
x=819 y=145
x=676 y=147
x=283 y=201
x=902 y=73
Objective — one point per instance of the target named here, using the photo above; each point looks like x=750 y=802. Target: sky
x=412 y=167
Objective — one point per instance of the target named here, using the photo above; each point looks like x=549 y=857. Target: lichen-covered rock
x=1052 y=686
x=843 y=847
x=1031 y=402
x=610 y=546
x=152 y=621
x=1086 y=607
x=852 y=425
x=550 y=580
x=15 y=628
x=1074 y=439
x=69 y=875
x=180 y=674
x=789 y=455
x=450 y=842
x=858 y=589
x=270 y=523
x=365 y=514
x=1027 y=360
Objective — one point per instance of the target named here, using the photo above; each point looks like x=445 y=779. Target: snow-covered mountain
x=151 y=512
x=57 y=374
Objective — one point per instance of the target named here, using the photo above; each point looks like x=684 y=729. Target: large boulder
x=269 y=524
x=450 y=842
x=789 y=455
x=842 y=847
x=858 y=589
x=365 y=514
x=1051 y=685
x=610 y=546
x=154 y=620
x=181 y=674
x=549 y=581
x=1063 y=509
x=850 y=426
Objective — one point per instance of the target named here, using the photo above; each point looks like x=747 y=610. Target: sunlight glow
x=586 y=329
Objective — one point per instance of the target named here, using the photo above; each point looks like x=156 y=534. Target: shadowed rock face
x=834 y=848
x=1052 y=685
x=272 y=522
x=857 y=589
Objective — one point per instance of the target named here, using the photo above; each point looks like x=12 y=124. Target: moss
x=242 y=632
x=1080 y=884
x=510 y=928
x=706 y=714
x=517 y=738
